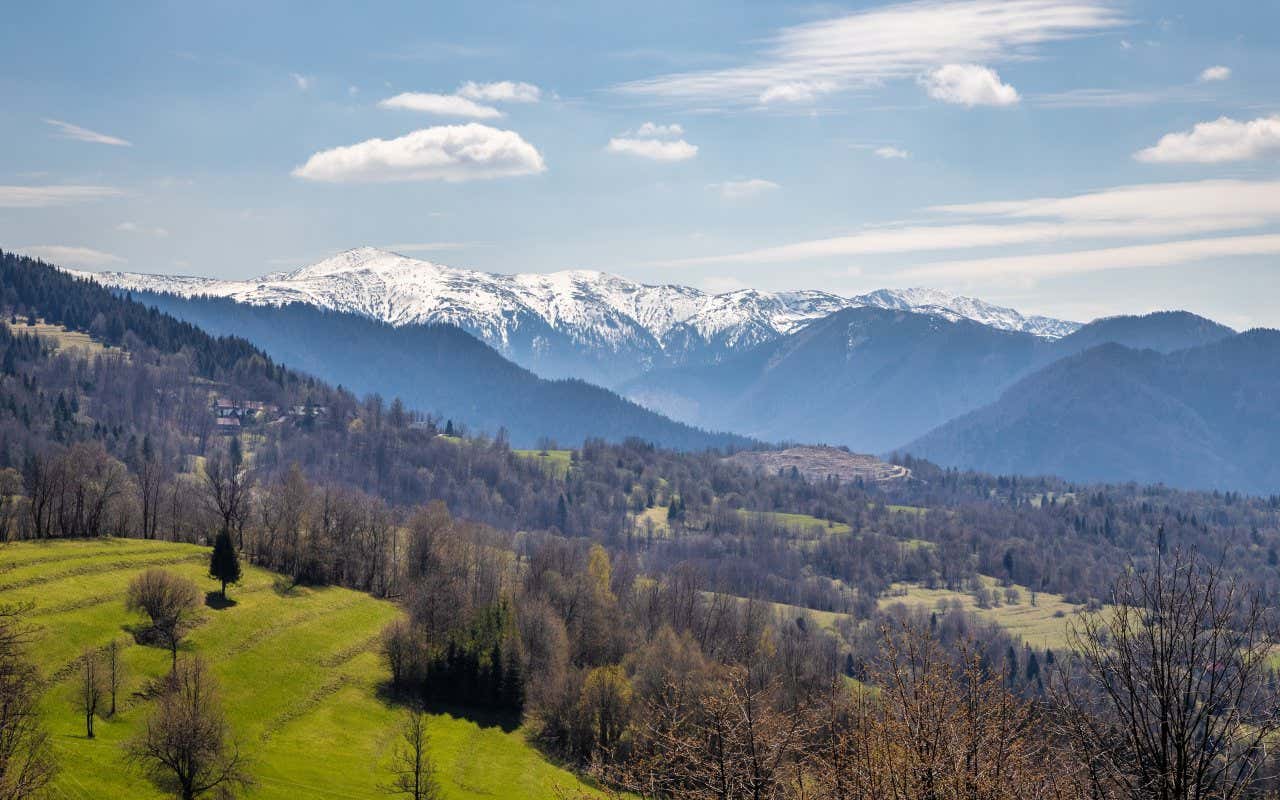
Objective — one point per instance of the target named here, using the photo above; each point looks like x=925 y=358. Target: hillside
x=574 y=324
x=873 y=379
x=867 y=378
x=298 y=668
x=439 y=369
x=1204 y=417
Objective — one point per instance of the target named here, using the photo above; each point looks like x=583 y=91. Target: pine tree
x=224 y=564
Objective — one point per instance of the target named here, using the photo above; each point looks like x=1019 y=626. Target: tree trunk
x=88 y=724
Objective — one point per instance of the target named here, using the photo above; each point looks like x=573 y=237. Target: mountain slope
x=436 y=368
x=873 y=379
x=865 y=377
x=1204 y=417
x=581 y=324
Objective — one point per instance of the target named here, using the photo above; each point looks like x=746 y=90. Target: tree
x=227 y=486
x=169 y=600
x=413 y=769
x=115 y=671
x=184 y=744
x=1169 y=693
x=26 y=753
x=224 y=563
x=90 y=688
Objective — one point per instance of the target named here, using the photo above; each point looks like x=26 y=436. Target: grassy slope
x=557 y=462
x=1037 y=625
x=299 y=673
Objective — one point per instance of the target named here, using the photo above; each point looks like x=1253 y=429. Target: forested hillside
x=1201 y=417
x=437 y=368
x=591 y=595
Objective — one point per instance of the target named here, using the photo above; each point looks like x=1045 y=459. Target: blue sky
x=1071 y=157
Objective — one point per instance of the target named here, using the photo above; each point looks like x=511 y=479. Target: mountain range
x=874 y=379
x=1165 y=397
x=580 y=324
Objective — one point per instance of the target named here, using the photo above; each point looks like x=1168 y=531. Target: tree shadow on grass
x=483 y=717
x=217 y=601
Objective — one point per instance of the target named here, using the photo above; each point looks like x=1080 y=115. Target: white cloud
x=796 y=92
x=449 y=153
x=501 y=92
x=968 y=85
x=655 y=149
x=892 y=42
x=303 y=82
x=66 y=256
x=133 y=227
x=1215 y=73
x=50 y=196
x=68 y=131
x=447 y=105
x=651 y=130
x=1143 y=211
x=654 y=141
x=1163 y=254
x=889 y=152
x=1223 y=139
x=744 y=189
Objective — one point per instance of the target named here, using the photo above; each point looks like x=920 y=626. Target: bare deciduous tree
x=26 y=753
x=184 y=744
x=414 y=771
x=90 y=688
x=1169 y=695
x=115 y=671
x=169 y=600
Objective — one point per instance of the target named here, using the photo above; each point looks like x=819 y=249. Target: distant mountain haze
x=580 y=324
x=436 y=368
x=1204 y=417
x=874 y=379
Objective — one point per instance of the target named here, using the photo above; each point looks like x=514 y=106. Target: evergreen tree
x=224 y=564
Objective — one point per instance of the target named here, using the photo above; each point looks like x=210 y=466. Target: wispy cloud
x=1133 y=213
x=303 y=82
x=70 y=256
x=451 y=153
x=1162 y=254
x=50 y=196
x=889 y=152
x=68 y=131
x=895 y=42
x=133 y=227
x=1221 y=140
x=744 y=189
x=968 y=85
x=447 y=105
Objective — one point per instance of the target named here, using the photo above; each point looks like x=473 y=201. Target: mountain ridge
x=576 y=323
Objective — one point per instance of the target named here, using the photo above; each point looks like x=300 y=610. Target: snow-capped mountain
x=583 y=324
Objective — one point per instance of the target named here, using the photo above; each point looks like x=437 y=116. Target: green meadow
x=299 y=671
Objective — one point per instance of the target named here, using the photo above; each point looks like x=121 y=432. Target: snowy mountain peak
x=578 y=323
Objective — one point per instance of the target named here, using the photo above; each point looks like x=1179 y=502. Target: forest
x=656 y=617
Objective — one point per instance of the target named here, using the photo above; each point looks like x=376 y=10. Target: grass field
x=555 y=461
x=800 y=523
x=64 y=339
x=299 y=671
x=1039 y=626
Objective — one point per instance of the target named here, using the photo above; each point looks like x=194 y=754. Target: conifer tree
x=224 y=564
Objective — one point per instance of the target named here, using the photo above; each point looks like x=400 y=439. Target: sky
x=1077 y=158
